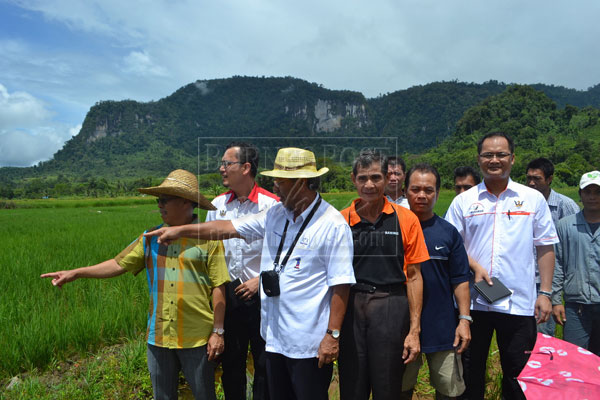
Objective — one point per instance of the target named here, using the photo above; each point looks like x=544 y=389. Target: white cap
x=589 y=178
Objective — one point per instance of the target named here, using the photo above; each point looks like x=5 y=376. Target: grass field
x=45 y=331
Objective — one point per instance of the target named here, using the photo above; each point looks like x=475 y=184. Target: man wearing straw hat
x=306 y=273
x=184 y=332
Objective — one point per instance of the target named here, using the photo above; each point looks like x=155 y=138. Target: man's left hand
x=543 y=309
x=248 y=289
x=329 y=350
x=462 y=335
x=215 y=347
x=412 y=347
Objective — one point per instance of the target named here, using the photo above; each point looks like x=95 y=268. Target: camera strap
x=287 y=222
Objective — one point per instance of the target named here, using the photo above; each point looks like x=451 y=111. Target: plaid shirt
x=181 y=277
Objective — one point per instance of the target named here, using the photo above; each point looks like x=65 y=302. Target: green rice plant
x=40 y=322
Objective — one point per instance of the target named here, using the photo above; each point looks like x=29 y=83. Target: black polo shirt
x=378 y=250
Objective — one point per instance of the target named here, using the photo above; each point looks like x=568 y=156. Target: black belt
x=368 y=288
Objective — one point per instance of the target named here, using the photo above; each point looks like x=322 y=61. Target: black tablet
x=492 y=293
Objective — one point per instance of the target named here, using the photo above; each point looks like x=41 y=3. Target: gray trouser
x=164 y=365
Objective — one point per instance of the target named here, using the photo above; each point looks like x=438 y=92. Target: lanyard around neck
x=289 y=253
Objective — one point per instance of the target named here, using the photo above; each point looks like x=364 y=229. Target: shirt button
x=171 y=285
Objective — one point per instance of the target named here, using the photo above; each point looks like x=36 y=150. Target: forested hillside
x=123 y=142
x=570 y=137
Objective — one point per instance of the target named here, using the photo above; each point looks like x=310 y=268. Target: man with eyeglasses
x=500 y=222
x=540 y=173
x=238 y=169
x=186 y=283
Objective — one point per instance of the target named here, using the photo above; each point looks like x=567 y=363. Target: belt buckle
x=372 y=289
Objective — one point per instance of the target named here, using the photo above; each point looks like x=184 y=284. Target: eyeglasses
x=499 y=156
x=225 y=164
x=164 y=200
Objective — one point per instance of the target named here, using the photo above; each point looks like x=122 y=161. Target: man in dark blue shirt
x=445 y=278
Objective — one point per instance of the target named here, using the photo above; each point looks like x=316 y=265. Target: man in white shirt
x=500 y=222
x=393 y=189
x=301 y=325
x=239 y=166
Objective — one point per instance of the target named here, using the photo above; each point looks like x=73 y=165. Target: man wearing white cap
x=184 y=332
x=577 y=269
x=306 y=272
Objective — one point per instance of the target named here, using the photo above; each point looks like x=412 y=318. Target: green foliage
x=40 y=322
x=121 y=141
x=569 y=137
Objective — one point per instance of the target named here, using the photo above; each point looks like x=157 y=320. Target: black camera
x=270 y=283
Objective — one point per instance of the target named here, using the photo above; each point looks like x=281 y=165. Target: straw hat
x=180 y=183
x=293 y=163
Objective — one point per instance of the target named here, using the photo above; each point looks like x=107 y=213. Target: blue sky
x=59 y=57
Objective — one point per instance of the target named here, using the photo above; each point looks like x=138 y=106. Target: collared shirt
x=561 y=206
x=577 y=269
x=401 y=201
x=181 y=277
x=295 y=322
x=243 y=258
x=499 y=233
x=377 y=248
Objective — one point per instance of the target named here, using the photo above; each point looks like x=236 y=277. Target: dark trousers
x=242 y=327
x=515 y=335
x=371 y=346
x=297 y=378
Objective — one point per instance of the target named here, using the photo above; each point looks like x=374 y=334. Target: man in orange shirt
x=380 y=332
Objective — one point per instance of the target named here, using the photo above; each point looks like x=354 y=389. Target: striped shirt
x=181 y=277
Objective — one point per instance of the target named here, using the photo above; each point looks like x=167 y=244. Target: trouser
x=582 y=327
x=164 y=365
x=515 y=335
x=445 y=374
x=297 y=378
x=371 y=345
x=242 y=327
x=548 y=327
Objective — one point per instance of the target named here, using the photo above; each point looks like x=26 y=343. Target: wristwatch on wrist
x=334 y=333
x=466 y=317
x=219 y=331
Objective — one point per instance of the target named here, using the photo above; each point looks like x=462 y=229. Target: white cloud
x=145 y=50
x=28 y=134
x=139 y=63
x=20 y=109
